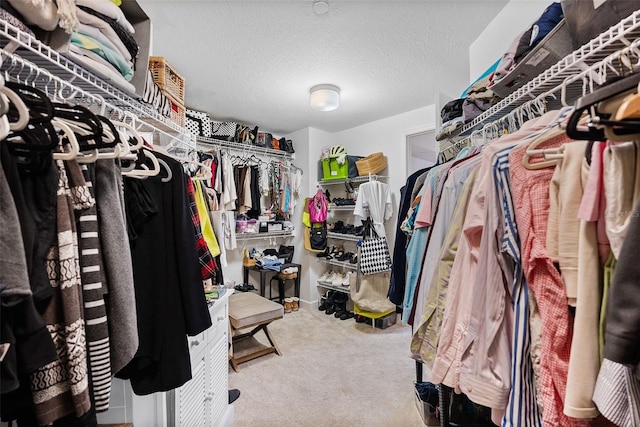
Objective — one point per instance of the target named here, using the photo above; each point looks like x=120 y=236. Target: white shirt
x=374 y=200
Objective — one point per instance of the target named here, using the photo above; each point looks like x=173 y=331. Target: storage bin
x=167 y=77
x=426 y=410
x=198 y=122
x=372 y=164
x=177 y=113
x=225 y=131
x=331 y=169
x=274 y=226
x=387 y=320
x=587 y=19
x=555 y=46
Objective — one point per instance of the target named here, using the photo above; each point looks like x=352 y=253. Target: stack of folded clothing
x=527 y=40
x=104 y=41
x=269 y=262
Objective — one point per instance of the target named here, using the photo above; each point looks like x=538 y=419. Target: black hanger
x=82 y=116
x=591 y=100
x=39 y=104
x=109 y=144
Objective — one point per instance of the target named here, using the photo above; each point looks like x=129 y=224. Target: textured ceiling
x=254 y=61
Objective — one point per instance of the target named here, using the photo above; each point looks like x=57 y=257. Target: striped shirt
x=522 y=409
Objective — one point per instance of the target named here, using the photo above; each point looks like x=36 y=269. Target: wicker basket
x=167 y=78
x=286 y=276
x=372 y=164
x=178 y=110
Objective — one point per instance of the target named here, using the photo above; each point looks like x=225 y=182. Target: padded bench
x=250 y=310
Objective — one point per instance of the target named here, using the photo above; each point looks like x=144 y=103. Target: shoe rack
x=343 y=194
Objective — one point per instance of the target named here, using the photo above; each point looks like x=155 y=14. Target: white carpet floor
x=331 y=373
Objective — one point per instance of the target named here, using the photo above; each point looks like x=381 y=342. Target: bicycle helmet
x=337 y=151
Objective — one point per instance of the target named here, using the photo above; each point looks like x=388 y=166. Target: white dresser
x=203 y=401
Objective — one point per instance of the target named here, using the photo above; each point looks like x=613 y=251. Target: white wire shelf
x=266 y=236
x=343 y=289
x=343 y=264
x=357 y=179
x=551 y=80
x=334 y=207
x=44 y=58
x=343 y=236
x=219 y=143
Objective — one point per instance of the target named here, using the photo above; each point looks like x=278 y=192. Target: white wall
x=516 y=17
x=388 y=136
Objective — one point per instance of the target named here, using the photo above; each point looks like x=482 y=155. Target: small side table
x=263 y=277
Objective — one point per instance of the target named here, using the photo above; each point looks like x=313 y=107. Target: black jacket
x=170 y=299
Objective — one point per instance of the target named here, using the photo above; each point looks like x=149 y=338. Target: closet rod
x=609 y=41
x=24 y=71
x=264 y=236
x=622 y=62
x=208 y=143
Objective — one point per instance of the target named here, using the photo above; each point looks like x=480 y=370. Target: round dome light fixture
x=320 y=7
x=324 y=97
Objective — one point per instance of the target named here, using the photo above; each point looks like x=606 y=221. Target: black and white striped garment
x=93 y=293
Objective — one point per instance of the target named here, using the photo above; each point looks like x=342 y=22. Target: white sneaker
x=346 y=281
x=329 y=280
x=338 y=279
x=324 y=277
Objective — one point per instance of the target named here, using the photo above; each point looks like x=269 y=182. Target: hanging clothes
x=398 y=270
x=208 y=265
x=531 y=199
x=374 y=201
x=61 y=388
x=173 y=295
x=205 y=221
x=227 y=189
x=617 y=390
x=93 y=282
x=114 y=242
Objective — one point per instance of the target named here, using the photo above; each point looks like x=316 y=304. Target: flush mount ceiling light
x=324 y=97
x=320 y=7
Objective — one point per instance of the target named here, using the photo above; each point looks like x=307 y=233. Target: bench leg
x=235 y=361
x=272 y=340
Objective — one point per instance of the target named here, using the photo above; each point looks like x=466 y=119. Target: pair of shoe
x=336 y=302
x=291 y=304
x=330 y=252
x=348 y=256
x=343 y=314
x=244 y=287
x=336 y=279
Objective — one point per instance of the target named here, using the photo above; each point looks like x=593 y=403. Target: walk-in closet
x=218 y=213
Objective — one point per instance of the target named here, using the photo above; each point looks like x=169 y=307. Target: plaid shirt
x=530 y=192
x=208 y=266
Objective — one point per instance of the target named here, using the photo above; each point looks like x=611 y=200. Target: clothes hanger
x=69 y=136
x=143 y=171
x=551 y=155
x=207 y=175
x=19 y=112
x=614 y=92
